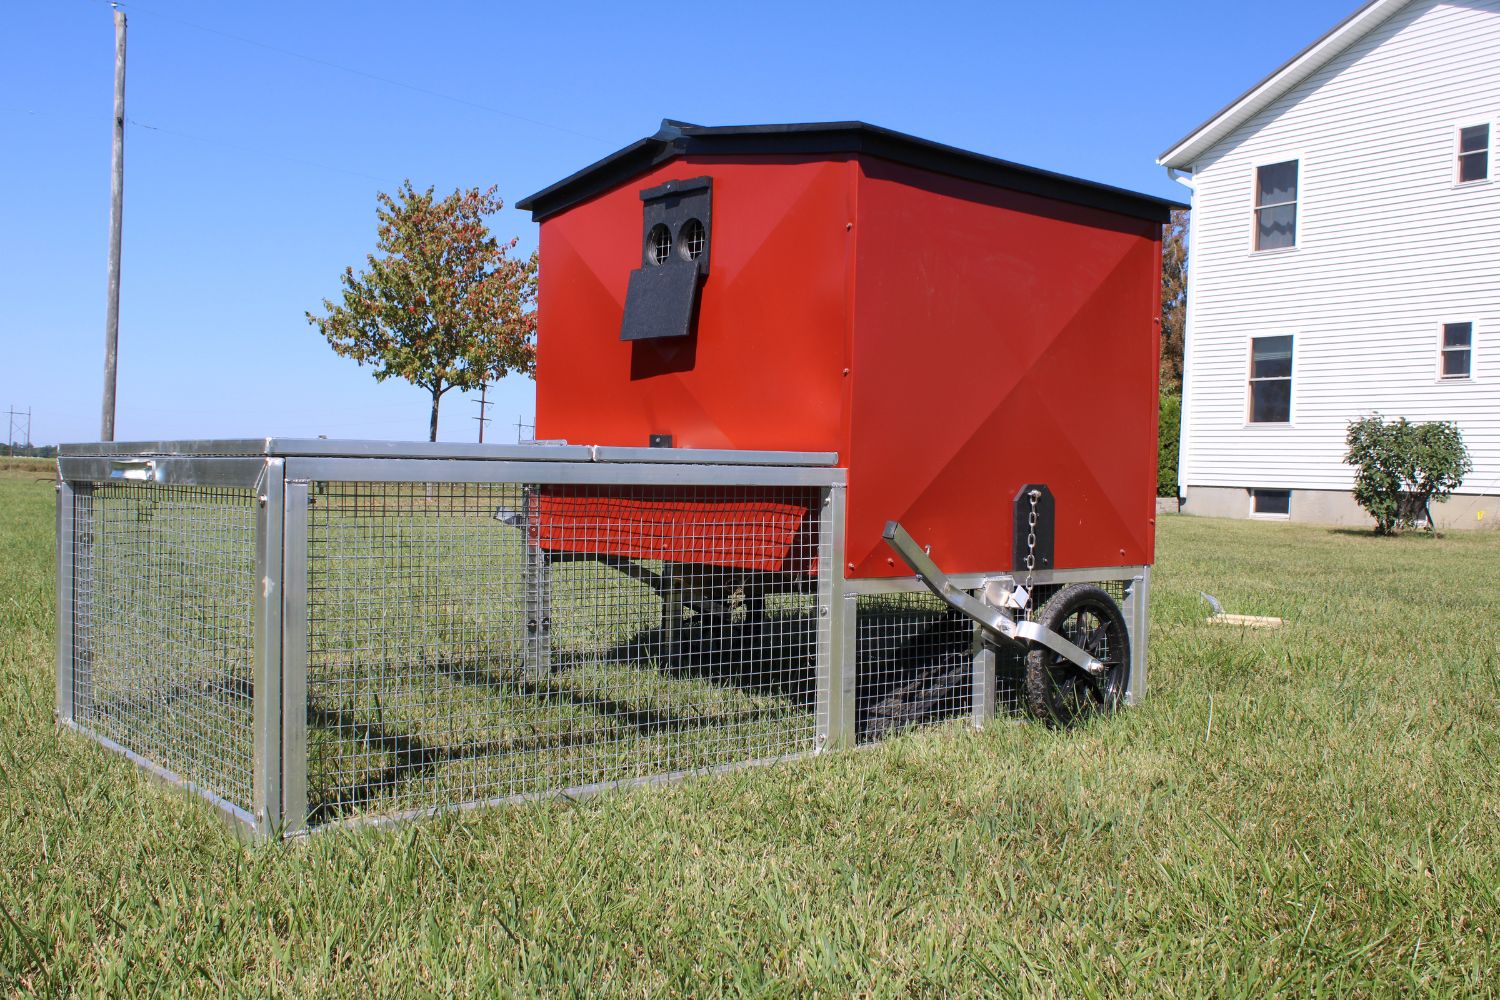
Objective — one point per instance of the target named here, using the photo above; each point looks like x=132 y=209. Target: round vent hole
x=693 y=239
x=659 y=243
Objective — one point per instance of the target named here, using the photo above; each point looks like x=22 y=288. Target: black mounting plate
x=1046 y=519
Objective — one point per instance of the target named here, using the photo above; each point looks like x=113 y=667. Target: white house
x=1345 y=259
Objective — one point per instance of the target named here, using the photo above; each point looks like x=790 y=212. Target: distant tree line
x=14 y=450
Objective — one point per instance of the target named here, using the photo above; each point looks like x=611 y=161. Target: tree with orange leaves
x=441 y=303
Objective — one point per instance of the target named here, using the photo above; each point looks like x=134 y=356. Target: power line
x=209 y=140
x=258 y=151
x=374 y=76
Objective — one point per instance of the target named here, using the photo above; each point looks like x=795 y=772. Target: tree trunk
x=437 y=397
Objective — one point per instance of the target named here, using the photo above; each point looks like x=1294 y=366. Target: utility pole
x=483 y=418
x=13 y=423
x=116 y=208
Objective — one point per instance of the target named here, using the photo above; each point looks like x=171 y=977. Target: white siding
x=1388 y=249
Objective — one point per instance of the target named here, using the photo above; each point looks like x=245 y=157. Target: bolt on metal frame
x=271 y=575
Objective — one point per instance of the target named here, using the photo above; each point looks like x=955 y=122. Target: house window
x=1473 y=153
x=1271 y=503
x=1276 y=205
x=1271 y=380
x=1457 y=350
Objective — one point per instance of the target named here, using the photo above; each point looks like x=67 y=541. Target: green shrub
x=1401 y=468
x=1168 y=427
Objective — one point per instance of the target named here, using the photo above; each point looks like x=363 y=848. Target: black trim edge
x=814 y=138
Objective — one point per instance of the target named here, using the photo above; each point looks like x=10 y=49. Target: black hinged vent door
x=676 y=236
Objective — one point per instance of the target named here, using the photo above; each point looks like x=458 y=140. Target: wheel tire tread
x=1038 y=689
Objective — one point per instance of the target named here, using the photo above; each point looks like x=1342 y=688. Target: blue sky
x=260 y=133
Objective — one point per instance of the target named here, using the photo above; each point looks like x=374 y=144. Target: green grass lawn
x=1309 y=809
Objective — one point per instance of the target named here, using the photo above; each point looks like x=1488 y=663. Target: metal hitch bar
x=995 y=622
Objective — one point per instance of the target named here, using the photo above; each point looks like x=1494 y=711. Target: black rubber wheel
x=1061 y=693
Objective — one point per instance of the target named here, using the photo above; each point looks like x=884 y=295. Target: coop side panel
x=1001 y=339
x=764 y=368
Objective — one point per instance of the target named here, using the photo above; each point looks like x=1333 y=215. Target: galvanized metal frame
x=835 y=694
x=572 y=794
x=293 y=749
x=281 y=470
x=538 y=586
x=866 y=586
x=166 y=470
x=269 y=601
x=542 y=452
x=985 y=684
x=569 y=473
x=76 y=479
x=66 y=638
x=1137 y=610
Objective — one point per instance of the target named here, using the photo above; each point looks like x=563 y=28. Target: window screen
x=1457 y=350
x=1270 y=380
x=1473 y=153
x=1276 y=205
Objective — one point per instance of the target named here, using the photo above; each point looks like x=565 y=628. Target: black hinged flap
x=660 y=302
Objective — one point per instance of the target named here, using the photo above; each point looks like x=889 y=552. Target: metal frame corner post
x=1138 y=618
x=985 y=693
x=835 y=662
x=537 y=572
x=269 y=522
x=66 y=636
x=294 y=650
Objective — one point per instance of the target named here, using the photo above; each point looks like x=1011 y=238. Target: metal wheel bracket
x=994 y=621
x=1043 y=636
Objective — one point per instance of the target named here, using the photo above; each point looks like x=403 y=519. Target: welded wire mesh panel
x=163 y=620
x=914 y=663
x=469 y=642
x=915 y=660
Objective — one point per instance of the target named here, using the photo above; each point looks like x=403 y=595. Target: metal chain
x=1031 y=519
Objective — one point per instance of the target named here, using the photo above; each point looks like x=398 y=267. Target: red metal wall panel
x=765 y=370
x=951 y=340
x=1000 y=339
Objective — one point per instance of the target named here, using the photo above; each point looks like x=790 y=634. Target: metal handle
x=992 y=619
x=143 y=470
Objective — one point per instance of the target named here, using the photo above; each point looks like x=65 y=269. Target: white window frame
x=1441 y=350
x=1489 y=154
x=1255 y=167
x=1259 y=516
x=1291 y=416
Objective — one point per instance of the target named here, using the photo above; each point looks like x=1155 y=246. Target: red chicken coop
x=977 y=341
x=841 y=431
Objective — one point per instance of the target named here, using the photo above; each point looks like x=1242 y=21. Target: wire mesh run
x=163 y=627
x=916 y=660
x=477 y=641
x=914 y=663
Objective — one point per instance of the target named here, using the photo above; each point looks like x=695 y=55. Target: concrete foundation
x=1337 y=507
